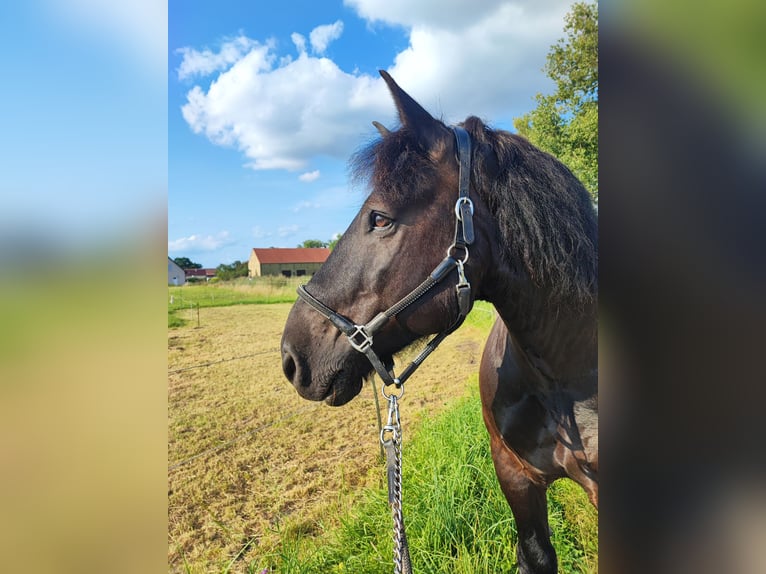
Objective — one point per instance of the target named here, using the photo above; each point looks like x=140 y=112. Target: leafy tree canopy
x=313 y=243
x=232 y=270
x=565 y=123
x=186 y=263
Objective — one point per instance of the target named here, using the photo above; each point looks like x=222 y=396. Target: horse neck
x=560 y=339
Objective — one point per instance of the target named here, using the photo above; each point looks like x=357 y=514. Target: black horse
x=531 y=230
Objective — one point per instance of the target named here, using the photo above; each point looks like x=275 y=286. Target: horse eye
x=379 y=221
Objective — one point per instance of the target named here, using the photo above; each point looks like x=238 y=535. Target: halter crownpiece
x=464 y=205
x=360 y=337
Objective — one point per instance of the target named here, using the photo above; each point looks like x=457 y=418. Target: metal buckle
x=460 y=201
x=365 y=342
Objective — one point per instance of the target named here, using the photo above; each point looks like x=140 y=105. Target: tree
x=231 y=271
x=313 y=243
x=186 y=263
x=565 y=123
x=334 y=241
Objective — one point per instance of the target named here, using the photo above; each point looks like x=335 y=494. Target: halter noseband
x=361 y=336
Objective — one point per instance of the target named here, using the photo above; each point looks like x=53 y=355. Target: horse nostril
x=289 y=366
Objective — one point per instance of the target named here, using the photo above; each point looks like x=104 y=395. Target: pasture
x=260 y=478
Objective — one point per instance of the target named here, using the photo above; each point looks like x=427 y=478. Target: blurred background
x=82 y=302
x=682 y=178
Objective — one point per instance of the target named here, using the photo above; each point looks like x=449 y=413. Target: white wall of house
x=176 y=275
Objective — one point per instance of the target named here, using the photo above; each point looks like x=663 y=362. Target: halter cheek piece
x=361 y=336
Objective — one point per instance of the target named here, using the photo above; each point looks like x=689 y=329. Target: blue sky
x=266 y=100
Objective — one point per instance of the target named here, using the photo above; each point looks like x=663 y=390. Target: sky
x=267 y=101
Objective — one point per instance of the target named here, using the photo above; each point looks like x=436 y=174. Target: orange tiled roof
x=292 y=254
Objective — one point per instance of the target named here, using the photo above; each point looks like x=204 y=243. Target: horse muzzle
x=336 y=386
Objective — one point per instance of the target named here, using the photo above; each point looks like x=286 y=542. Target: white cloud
x=280 y=117
x=260 y=233
x=299 y=41
x=482 y=58
x=196 y=63
x=288 y=230
x=321 y=36
x=301 y=205
x=334 y=199
x=436 y=13
x=309 y=176
x=199 y=243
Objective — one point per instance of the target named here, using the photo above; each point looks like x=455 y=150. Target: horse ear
x=412 y=115
x=382 y=130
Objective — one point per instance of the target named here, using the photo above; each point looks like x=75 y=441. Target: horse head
x=405 y=228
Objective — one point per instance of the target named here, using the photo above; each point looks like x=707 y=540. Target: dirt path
x=249 y=459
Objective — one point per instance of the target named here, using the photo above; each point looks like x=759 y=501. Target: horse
x=525 y=239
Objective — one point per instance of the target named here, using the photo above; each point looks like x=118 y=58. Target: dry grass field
x=249 y=460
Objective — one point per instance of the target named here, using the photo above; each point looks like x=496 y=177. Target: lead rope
x=391 y=439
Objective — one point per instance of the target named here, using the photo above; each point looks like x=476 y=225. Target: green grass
x=456 y=516
x=256 y=291
x=186 y=299
x=482 y=316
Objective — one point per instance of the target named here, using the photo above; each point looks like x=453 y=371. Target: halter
x=361 y=336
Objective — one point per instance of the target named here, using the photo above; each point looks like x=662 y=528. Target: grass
x=255 y=291
x=260 y=463
x=270 y=480
x=457 y=519
x=188 y=298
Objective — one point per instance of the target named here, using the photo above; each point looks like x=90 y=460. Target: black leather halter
x=361 y=336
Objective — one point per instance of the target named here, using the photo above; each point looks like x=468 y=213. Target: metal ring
x=463 y=247
x=388 y=429
x=396 y=383
x=457 y=206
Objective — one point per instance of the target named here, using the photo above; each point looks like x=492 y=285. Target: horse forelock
x=395 y=167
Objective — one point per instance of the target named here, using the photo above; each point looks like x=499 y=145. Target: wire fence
x=243 y=436
x=223 y=446
x=210 y=363
x=256 y=290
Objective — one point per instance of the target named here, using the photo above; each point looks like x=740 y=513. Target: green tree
x=565 y=123
x=334 y=241
x=231 y=271
x=313 y=243
x=186 y=263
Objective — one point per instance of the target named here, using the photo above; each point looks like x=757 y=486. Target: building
x=176 y=275
x=288 y=262
x=205 y=274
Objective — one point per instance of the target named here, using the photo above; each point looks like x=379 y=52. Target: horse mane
x=545 y=215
